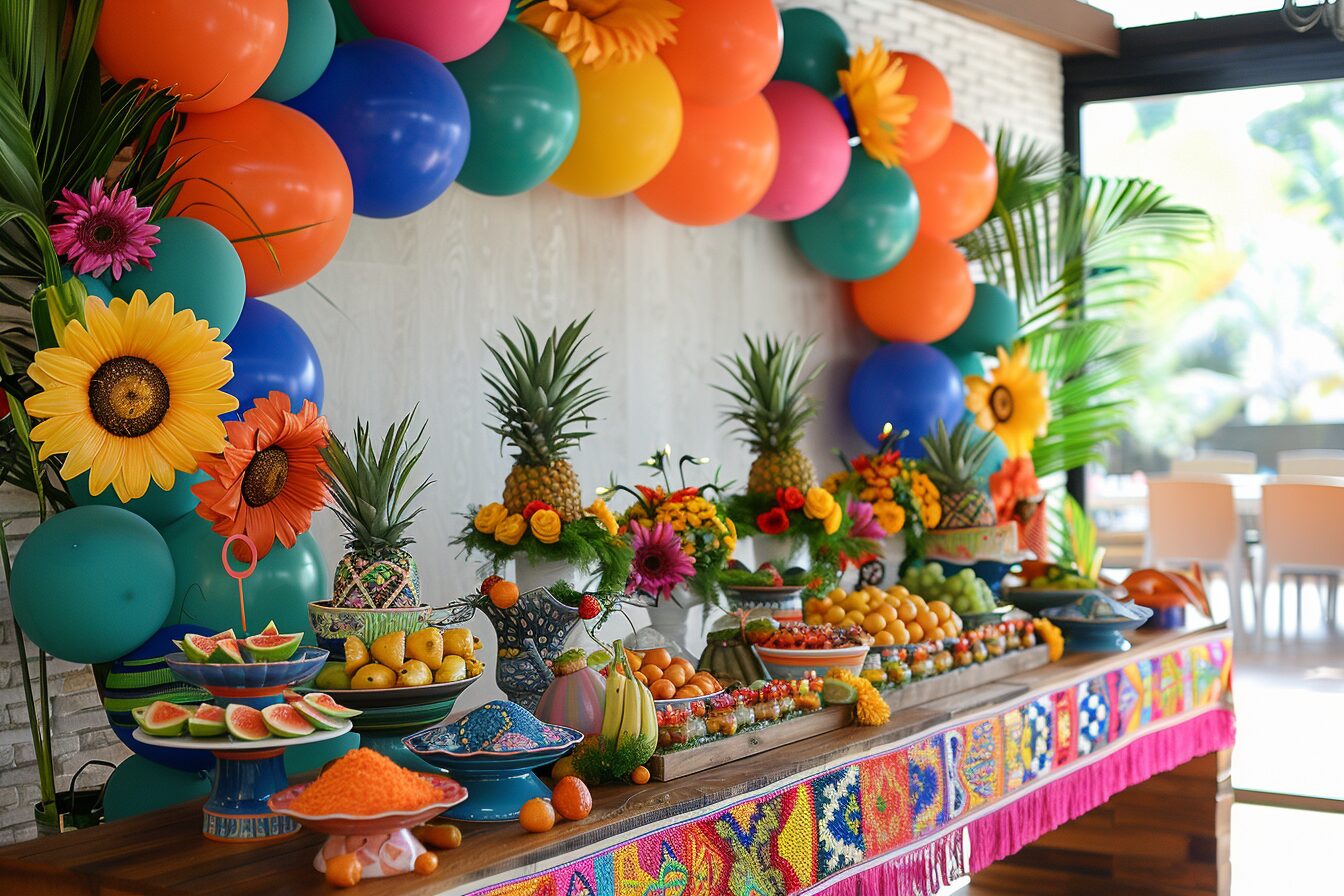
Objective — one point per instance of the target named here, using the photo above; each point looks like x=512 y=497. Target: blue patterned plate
x=496 y=729
x=303 y=665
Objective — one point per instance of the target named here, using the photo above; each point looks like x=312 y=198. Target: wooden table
x=164 y=852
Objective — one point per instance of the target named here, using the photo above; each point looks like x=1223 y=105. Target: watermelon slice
x=198 y=647
x=324 y=704
x=272 y=648
x=207 y=722
x=292 y=696
x=315 y=716
x=270 y=629
x=162 y=719
x=227 y=633
x=226 y=651
x=284 y=720
x=245 y=723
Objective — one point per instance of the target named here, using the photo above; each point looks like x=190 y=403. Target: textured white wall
x=415 y=296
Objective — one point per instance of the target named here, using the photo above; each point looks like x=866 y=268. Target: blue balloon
x=271 y=351
x=199 y=266
x=141 y=677
x=400 y=120
x=157 y=506
x=139 y=786
x=909 y=385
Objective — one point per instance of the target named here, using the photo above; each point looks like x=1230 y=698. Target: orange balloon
x=261 y=167
x=923 y=299
x=216 y=54
x=725 y=51
x=956 y=185
x=723 y=164
x=931 y=120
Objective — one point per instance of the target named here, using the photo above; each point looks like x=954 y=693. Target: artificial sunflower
x=1011 y=402
x=134 y=396
x=595 y=32
x=872 y=84
x=269 y=478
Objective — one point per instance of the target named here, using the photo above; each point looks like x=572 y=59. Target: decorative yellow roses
x=819 y=504
x=604 y=515
x=546 y=526
x=511 y=530
x=489 y=517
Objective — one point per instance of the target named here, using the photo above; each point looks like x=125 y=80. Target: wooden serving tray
x=959 y=682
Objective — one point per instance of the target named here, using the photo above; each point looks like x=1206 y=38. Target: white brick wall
x=996 y=80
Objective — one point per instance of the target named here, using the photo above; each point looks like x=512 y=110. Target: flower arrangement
x=539 y=534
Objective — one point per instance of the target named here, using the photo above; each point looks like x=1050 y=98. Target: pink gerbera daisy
x=102 y=230
x=660 y=563
x=862 y=523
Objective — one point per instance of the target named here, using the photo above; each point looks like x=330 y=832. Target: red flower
x=773 y=521
x=533 y=507
x=651 y=495
x=683 y=494
x=861 y=463
x=890 y=457
x=589 y=608
x=789 y=498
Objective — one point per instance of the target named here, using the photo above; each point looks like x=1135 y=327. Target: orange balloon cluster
x=956 y=185
x=922 y=299
x=725 y=52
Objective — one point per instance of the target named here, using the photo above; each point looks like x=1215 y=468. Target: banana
x=614 y=706
x=631 y=720
x=649 y=716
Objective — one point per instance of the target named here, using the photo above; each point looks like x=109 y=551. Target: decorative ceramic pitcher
x=531 y=633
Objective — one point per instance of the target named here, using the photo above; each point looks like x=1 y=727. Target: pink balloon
x=813 y=152
x=445 y=29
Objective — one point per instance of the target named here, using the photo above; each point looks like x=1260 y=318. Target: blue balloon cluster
x=909 y=385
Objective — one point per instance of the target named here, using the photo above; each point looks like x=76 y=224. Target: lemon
x=835 y=615
x=356 y=655
x=454 y=668
x=373 y=676
x=389 y=650
x=414 y=674
x=426 y=646
x=874 y=623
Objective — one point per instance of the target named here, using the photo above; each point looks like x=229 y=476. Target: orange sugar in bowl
x=364 y=782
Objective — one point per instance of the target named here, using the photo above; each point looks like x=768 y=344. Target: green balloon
x=140 y=785
x=280 y=588
x=91 y=584
x=310 y=757
x=348 y=26
x=868 y=226
x=815 y=48
x=308 y=44
x=967 y=363
x=991 y=323
x=157 y=506
x=198 y=265
x=524 y=105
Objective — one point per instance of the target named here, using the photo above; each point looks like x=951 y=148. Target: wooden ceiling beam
x=1071 y=27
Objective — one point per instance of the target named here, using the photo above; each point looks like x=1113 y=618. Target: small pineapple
x=953 y=463
x=770 y=410
x=541 y=401
x=369 y=495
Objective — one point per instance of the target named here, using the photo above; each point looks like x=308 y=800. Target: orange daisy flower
x=269 y=479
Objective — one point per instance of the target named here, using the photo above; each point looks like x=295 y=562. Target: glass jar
x=745 y=707
x=722 y=718
x=979 y=653
x=767 y=705
x=898 y=672
x=920 y=664
x=942 y=661
x=672 y=731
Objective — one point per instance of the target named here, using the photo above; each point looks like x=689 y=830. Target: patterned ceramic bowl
x=334 y=624
x=794 y=663
x=223 y=679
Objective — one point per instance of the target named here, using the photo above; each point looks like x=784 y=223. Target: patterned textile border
x=903 y=807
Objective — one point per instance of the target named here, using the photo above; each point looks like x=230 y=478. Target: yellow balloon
x=629 y=125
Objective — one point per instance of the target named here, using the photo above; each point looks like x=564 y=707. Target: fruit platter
x=765 y=589
x=672 y=680
x=970 y=596
x=893 y=618
x=795 y=649
x=1042 y=586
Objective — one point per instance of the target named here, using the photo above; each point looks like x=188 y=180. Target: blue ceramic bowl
x=1101 y=635
x=263 y=677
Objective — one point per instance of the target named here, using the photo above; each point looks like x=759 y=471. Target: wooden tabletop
x=163 y=852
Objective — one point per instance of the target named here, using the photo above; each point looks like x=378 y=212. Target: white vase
x=780 y=550
x=529 y=576
x=680 y=618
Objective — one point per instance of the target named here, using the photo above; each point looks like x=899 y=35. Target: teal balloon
x=198 y=265
x=140 y=785
x=157 y=506
x=348 y=26
x=815 y=48
x=998 y=453
x=868 y=226
x=91 y=584
x=991 y=323
x=311 y=757
x=280 y=588
x=524 y=106
x=91 y=283
x=967 y=363
x=308 y=44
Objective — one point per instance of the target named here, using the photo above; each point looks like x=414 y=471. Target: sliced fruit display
x=315 y=716
x=227 y=633
x=834 y=692
x=226 y=651
x=325 y=704
x=270 y=629
x=272 y=648
x=284 y=720
x=245 y=723
x=207 y=722
x=291 y=696
x=162 y=719
x=198 y=647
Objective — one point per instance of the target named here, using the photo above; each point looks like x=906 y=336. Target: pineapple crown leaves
x=953 y=461
x=540 y=397
x=370 y=490
x=770 y=406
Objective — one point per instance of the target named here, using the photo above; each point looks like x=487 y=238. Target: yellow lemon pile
x=892 y=617
x=398 y=659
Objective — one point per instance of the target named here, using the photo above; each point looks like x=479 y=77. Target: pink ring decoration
x=228 y=568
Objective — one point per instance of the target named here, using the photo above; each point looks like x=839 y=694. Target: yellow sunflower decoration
x=1011 y=402
x=873 y=85
x=132 y=395
x=596 y=32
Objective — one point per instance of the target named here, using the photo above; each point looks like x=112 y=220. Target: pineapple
x=368 y=493
x=542 y=400
x=770 y=410
x=953 y=463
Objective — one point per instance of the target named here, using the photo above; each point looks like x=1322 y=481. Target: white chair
x=1193 y=519
x=1218 y=462
x=1300 y=528
x=1311 y=462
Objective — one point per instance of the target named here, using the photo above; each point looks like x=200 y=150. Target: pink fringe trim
x=1000 y=832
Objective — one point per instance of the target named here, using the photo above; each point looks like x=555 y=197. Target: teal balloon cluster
x=815 y=48
x=991 y=323
x=157 y=506
x=198 y=265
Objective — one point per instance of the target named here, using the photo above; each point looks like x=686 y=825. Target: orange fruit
x=874 y=623
x=636 y=659
x=439 y=836
x=426 y=863
x=927 y=620
x=640 y=677
x=572 y=799
x=662 y=689
x=639 y=776
x=834 y=615
x=677 y=675
x=916 y=632
x=659 y=657
x=537 y=815
x=900 y=635
x=344 y=870
x=503 y=594
x=888 y=613
x=651 y=672
x=884 y=639
x=907 y=611
x=941 y=610
x=683 y=663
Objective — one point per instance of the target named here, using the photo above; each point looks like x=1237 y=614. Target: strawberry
x=589 y=608
x=776 y=579
x=489 y=583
